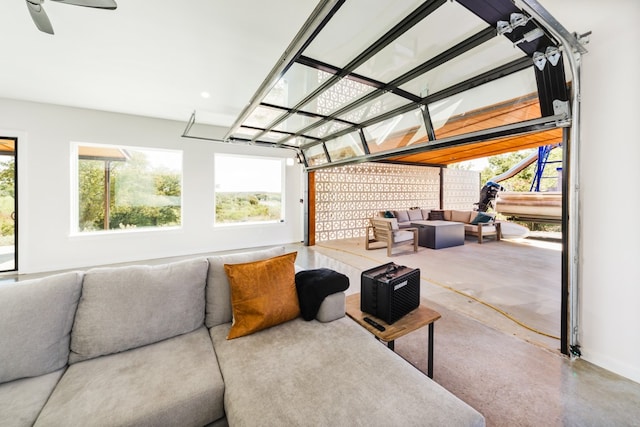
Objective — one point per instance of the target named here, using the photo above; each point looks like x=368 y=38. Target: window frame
x=75 y=230
x=248 y=224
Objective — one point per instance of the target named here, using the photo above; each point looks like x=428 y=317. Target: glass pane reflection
x=296 y=122
x=508 y=100
x=343 y=37
x=374 y=108
x=337 y=96
x=326 y=128
x=298 y=82
x=399 y=131
x=486 y=57
x=315 y=155
x=422 y=42
x=344 y=147
x=262 y=116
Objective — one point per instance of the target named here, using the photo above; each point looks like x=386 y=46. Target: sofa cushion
x=474 y=229
x=37 y=316
x=263 y=294
x=127 y=307
x=415 y=215
x=402 y=236
x=328 y=374
x=402 y=216
x=425 y=214
x=461 y=216
x=218 y=304
x=482 y=218
x=436 y=215
x=22 y=400
x=175 y=382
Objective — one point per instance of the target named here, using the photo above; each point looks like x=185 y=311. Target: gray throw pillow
x=127 y=307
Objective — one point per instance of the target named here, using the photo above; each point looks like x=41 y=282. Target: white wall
x=45 y=134
x=610 y=174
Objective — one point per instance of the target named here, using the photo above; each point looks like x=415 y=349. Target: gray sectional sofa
x=147 y=346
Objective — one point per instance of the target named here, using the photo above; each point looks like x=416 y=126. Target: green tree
x=91 y=194
x=7 y=176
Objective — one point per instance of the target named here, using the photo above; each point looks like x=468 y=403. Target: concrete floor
x=512 y=285
x=497 y=355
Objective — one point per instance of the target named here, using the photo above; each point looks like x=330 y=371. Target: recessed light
x=205 y=95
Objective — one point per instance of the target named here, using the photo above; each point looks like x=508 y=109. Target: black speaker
x=390 y=291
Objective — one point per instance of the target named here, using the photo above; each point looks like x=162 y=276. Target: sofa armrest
x=332 y=308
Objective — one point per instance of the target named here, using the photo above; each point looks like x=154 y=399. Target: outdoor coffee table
x=416 y=319
x=439 y=234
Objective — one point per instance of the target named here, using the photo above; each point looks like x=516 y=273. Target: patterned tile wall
x=461 y=189
x=346 y=197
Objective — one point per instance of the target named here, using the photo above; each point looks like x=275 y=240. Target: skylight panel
x=482 y=107
x=487 y=56
x=262 y=116
x=296 y=122
x=315 y=155
x=345 y=146
x=350 y=30
x=327 y=128
x=422 y=42
x=398 y=131
x=374 y=108
x=336 y=96
x=298 y=82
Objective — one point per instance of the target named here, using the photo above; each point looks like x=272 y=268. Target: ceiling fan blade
x=99 y=4
x=39 y=16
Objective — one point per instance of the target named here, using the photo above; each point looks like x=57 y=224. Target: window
x=248 y=189
x=124 y=188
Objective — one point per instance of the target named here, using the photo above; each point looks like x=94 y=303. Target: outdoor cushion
x=487 y=229
x=481 y=218
x=37 y=316
x=402 y=236
x=402 y=216
x=436 y=215
x=392 y=221
x=127 y=307
x=415 y=215
x=218 y=300
x=461 y=216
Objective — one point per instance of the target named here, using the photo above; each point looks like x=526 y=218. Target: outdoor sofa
x=149 y=346
x=477 y=224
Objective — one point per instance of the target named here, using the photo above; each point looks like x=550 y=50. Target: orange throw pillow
x=263 y=294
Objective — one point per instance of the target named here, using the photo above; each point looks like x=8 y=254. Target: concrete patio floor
x=513 y=285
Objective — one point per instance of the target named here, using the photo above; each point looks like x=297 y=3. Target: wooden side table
x=416 y=319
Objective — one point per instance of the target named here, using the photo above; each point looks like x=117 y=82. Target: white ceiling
x=149 y=58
